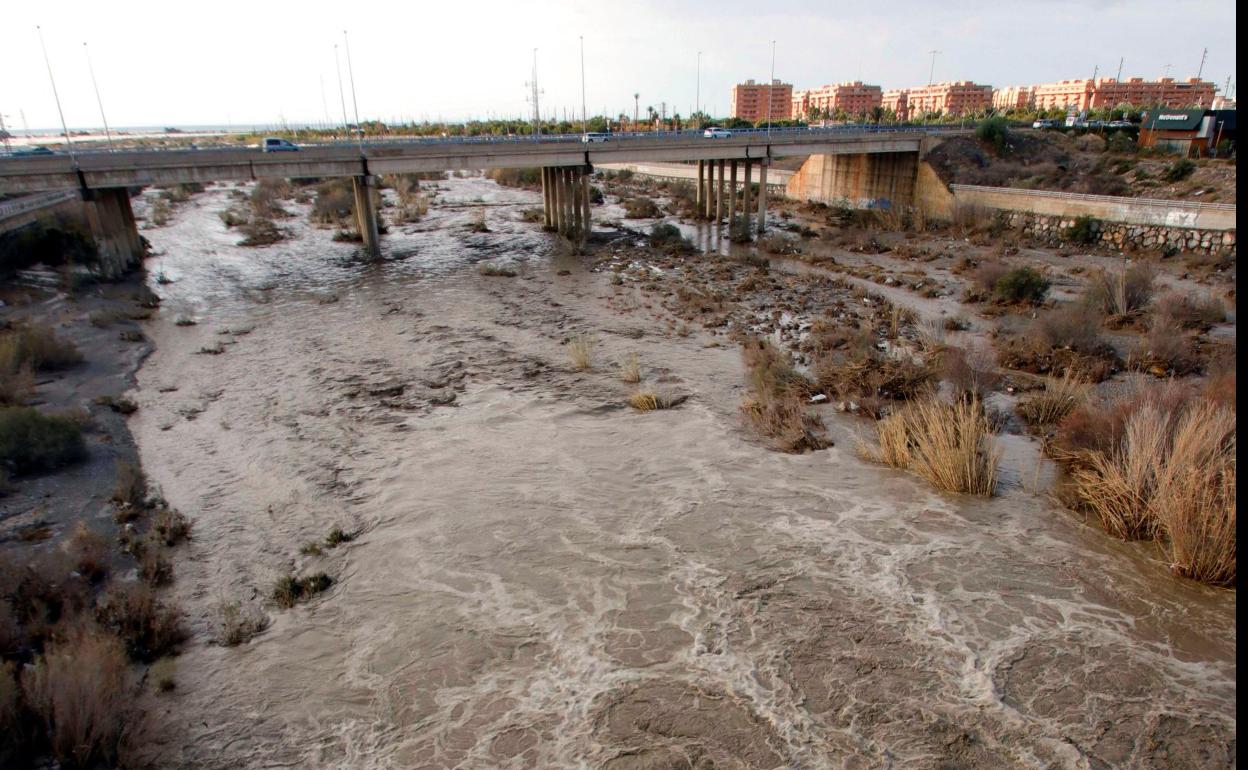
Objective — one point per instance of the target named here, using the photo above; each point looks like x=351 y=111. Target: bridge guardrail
x=551 y=138
x=34 y=202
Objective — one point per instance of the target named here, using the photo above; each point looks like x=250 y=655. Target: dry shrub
x=80 y=690
x=1098 y=425
x=1165 y=351
x=290 y=590
x=1060 y=397
x=1220 y=387
x=170 y=526
x=870 y=377
x=630 y=369
x=581 y=352
x=641 y=207
x=1188 y=311
x=39 y=347
x=150 y=628
x=972 y=374
x=1171 y=475
x=90 y=553
x=41 y=595
x=266 y=198
x=131 y=487
x=34 y=442
x=776 y=406
x=238 y=624
x=17 y=378
x=1123 y=292
x=949 y=445
x=968 y=219
x=1067 y=338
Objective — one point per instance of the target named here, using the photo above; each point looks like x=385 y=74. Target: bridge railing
x=386 y=141
x=34 y=202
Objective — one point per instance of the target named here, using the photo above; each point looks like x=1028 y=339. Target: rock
x=818 y=398
x=442 y=399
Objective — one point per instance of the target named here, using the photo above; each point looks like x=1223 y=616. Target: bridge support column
x=556 y=198
x=548 y=219
x=700 y=193
x=578 y=212
x=746 y=191
x=708 y=198
x=113 y=227
x=762 y=195
x=719 y=196
x=366 y=214
x=588 y=225
x=732 y=195
x=565 y=175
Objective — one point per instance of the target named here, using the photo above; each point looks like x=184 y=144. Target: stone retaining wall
x=1124 y=236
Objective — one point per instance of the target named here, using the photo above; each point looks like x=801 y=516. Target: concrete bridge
x=102 y=177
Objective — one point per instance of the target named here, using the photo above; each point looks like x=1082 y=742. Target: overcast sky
x=257 y=62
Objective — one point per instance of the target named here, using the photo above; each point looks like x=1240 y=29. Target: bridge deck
x=99 y=169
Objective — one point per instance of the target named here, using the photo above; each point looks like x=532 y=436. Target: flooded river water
x=544 y=578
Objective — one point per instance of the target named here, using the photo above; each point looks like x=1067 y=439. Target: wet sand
x=544 y=578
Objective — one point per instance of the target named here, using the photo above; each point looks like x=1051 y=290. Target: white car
x=716 y=133
x=594 y=136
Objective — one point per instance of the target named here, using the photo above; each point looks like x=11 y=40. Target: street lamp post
x=355 y=105
x=107 y=134
x=584 y=112
x=342 y=98
x=771 y=86
x=69 y=145
x=697 y=104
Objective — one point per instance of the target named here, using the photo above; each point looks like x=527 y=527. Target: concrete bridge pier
x=719 y=195
x=708 y=192
x=698 y=193
x=116 y=234
x=732 y=195
x=548 y=191
x=762 y=194
x=746 y=193
x=366 y=213
x=587 y=224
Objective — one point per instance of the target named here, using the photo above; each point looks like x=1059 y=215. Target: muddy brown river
x=544 y=578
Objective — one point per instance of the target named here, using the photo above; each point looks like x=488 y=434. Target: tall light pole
x=931 y=73
x=697 y=104
x=537 y=110
x=342 y=98
x=637 y=103
x=771 y=87
x=1203 y=55
x=107 y=134
x=355 y=105
x=69 y=145
x=584 y=112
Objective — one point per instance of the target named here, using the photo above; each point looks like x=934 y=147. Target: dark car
x=27 y=151
x=273 y=144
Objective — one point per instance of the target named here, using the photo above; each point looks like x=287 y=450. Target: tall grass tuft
x=630 y=369
x=949 y=445
x=1060 y=397
x=581 y=352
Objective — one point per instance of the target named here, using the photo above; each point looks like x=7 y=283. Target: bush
x=238 y=624
x=37 y=347
x=290 y=590
x=80 y=690
x=1059 y=398
x=516 y=177
x=1178 y=170
x=32 y=442
x=1085 y=230
x=1123 y=292
x=1021 y=285
x=1189 y=311
x=149 y=628
x=665 y=235
x=949 y=445
x=776 y=406
x=641 y=208
x=995 y=131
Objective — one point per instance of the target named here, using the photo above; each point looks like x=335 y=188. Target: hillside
x=1051 y=160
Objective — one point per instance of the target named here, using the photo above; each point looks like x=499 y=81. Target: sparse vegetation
x=238 y=624
x=1060 y=397
x=1122 y=293
x=492 y=270
x=949 y=445
x=150 y=628
x=581 y=352
x=1084 y=230
x=34 y=442
x=776 y=405
x=641 y=207
x=290 y=590
x=630 y=369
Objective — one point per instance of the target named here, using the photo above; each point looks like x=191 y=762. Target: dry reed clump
x=290 y=590
x=1060 y=397
x=80 y=689
x=776 y=405
x=1159 y=465
x=1165 y=351
x=630 y=369
x=949 y=445
x=38 y=347
x=1121 y=294
x=581 y=352
x=491 y=270
x=971 y=373
x=1188 y=311
x=1067 y=338
x=649 y=400
x=90 y=553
